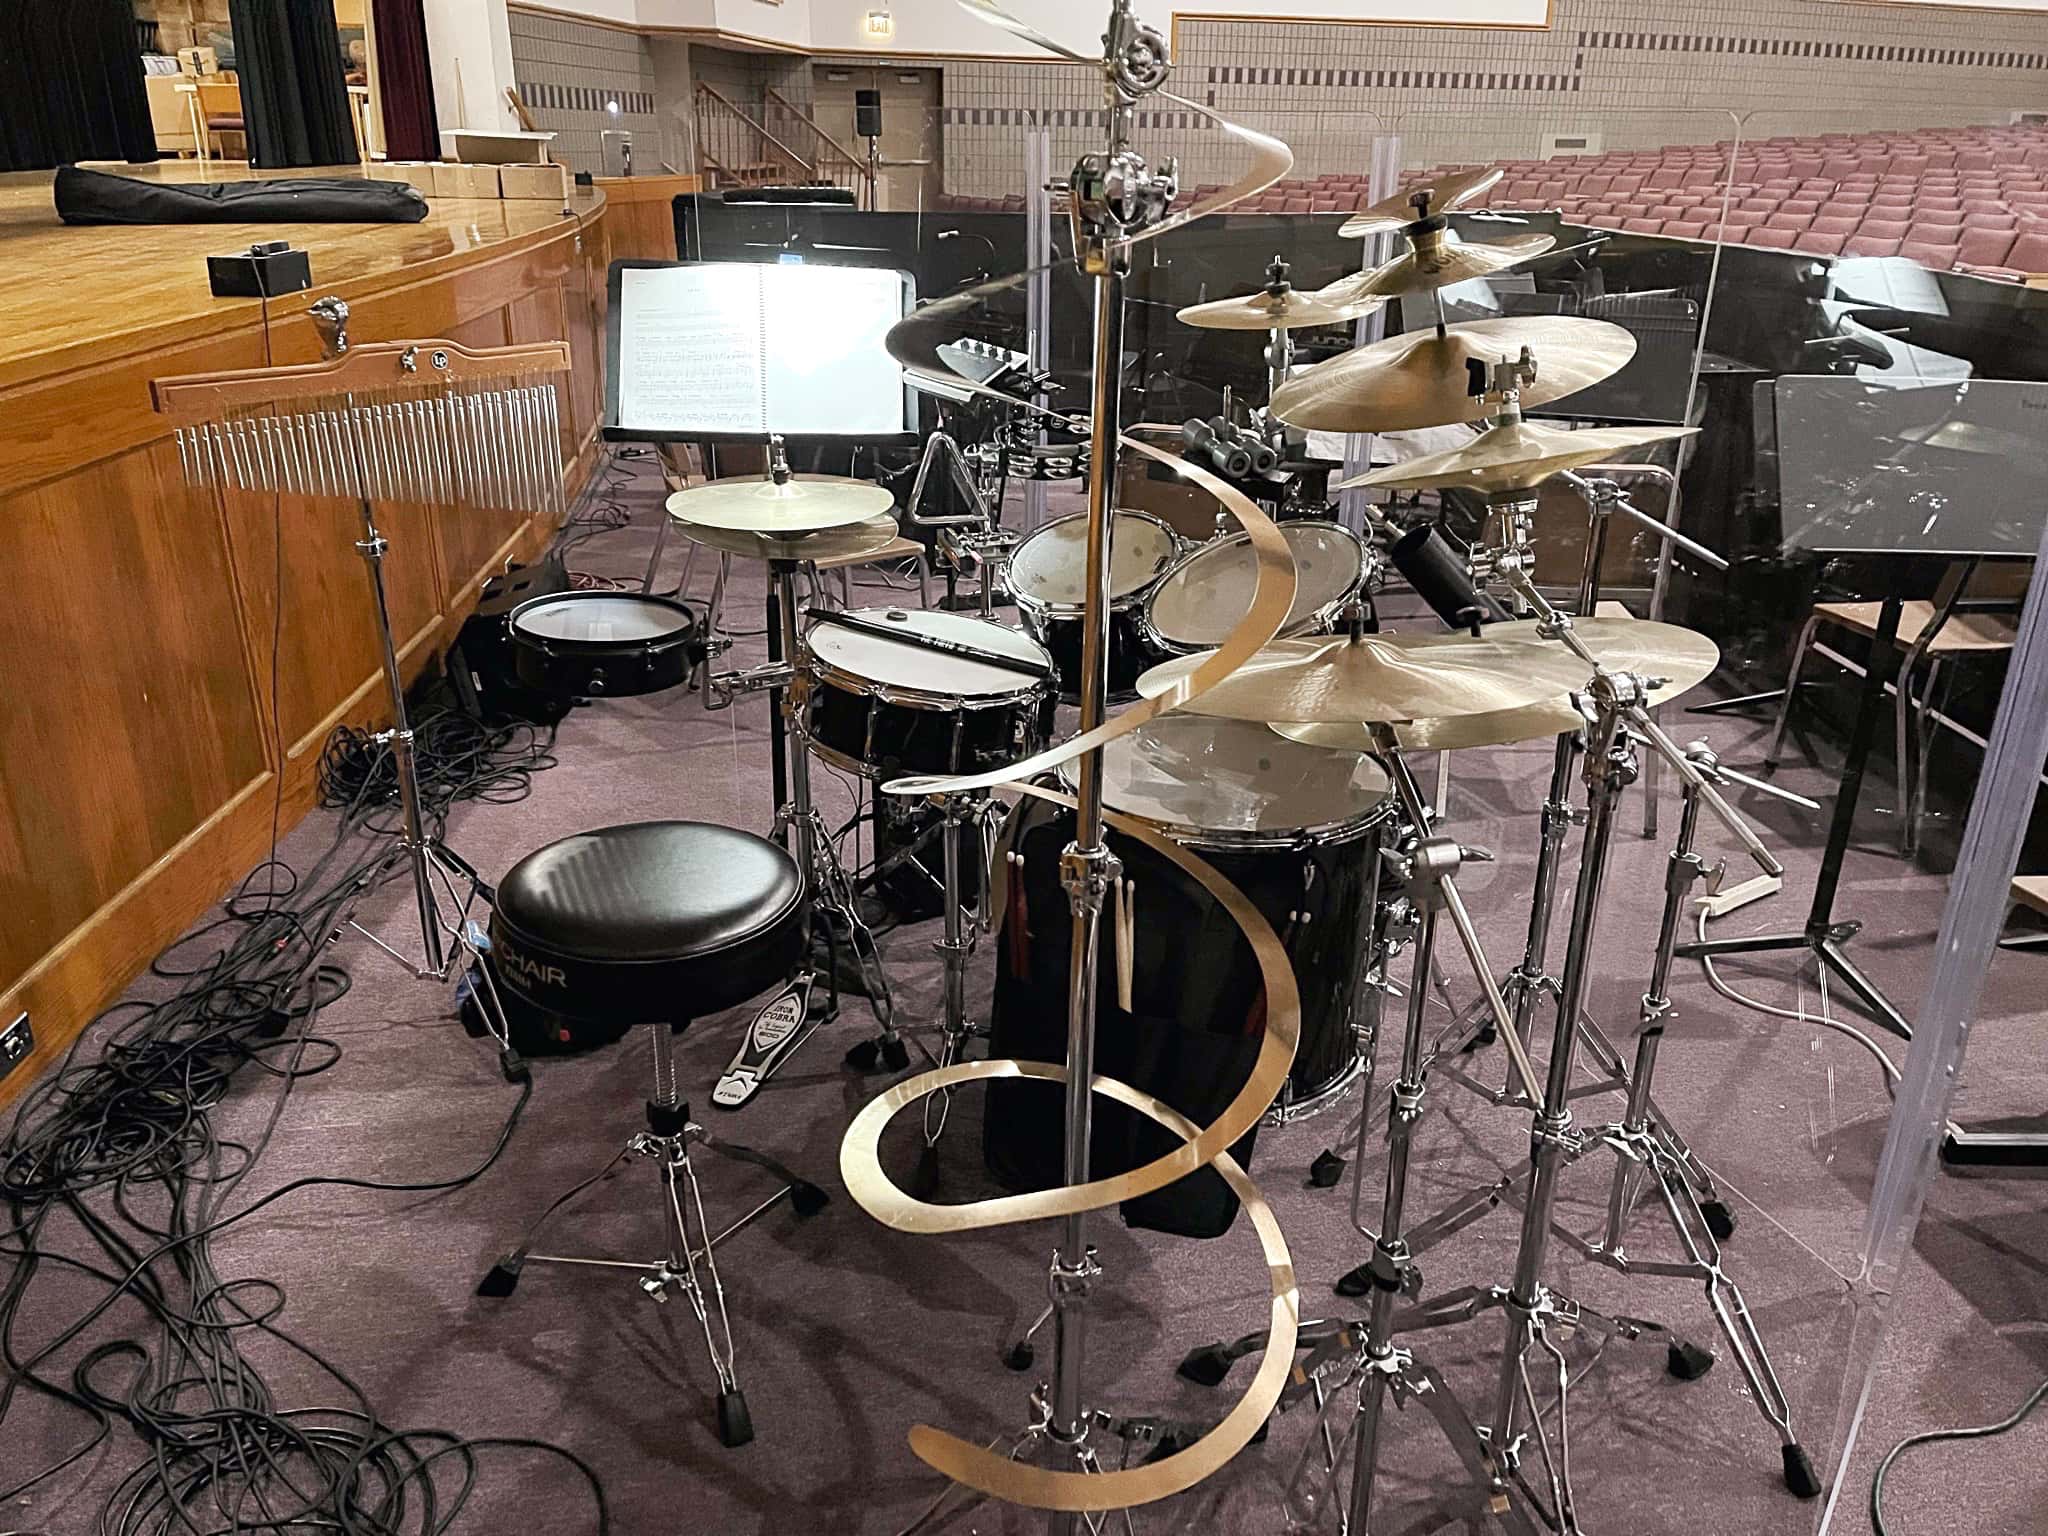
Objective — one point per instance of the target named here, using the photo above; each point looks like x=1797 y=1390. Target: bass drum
x=1048 y=580
x=1298 y=830
x=1199 y=601
x=603 y=644
x=884 y=707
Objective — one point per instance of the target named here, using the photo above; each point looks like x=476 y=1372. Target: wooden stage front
x=138 y=762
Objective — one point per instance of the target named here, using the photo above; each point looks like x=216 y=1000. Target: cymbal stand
x=1539 y=1317
x=958 y=813
x=1380 y=1366
x=789 y=1019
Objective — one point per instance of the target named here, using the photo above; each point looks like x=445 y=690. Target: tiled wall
x=568 y=71
x=1638 y=73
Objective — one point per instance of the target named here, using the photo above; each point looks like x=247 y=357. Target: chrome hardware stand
x=690 y=1241
x=789 y=1020
x=969 y=540
x=1380 y=1366
x=435 y=867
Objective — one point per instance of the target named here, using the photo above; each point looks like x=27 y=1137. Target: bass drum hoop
x=1321 y=622
x=1042 y=610
x=1333 y=834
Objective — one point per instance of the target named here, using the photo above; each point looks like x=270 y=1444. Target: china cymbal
x=1428 y=677
x=1438 y=260
x=1446 y=733
x=1443 y=193
x=754 y=504
x=1419 y=379
x=863 y=538
x=1513 y=456
x=1292 y=309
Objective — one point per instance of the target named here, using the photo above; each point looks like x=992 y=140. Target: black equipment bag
x=92 y=197
x=1190 y=960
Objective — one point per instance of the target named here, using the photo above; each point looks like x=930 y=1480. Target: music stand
x=1869 y=468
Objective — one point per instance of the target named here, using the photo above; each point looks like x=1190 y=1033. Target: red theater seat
x=1931 y=254
x=1685 y=229
x=1784 y=220
x=1644 y=226
x=1771 y=239
x=2029 y=252
x=1985 y=247
x=1870 y=245
x=1835 y=223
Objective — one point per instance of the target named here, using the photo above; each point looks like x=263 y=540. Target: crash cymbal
x=1438 y=260
x=1514 y=456
x=1419 y=379
x=754 y=504
x=1292 y=309
x=1501 y=728
x=1397 y=212
x=1431 y=677
x=863 y=538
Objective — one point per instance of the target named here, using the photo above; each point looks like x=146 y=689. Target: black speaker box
x=481 y=662
x=867 y=114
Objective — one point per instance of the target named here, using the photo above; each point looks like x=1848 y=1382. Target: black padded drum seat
x=659 y=921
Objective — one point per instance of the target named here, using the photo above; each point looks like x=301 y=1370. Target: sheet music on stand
x=1952 y=469
x=734 y=351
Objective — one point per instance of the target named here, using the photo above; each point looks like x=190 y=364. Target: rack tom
x=1049 y=581
x=1201 y=599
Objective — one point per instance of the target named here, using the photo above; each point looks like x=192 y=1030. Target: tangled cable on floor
x=118 y=1176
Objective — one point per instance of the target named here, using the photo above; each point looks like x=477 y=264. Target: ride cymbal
x=1428 y=677
x=1441 y=194
x=752 y=504
x=1420 y=378
x=1292 y=309
x=1512 y=457
x=1448 y=733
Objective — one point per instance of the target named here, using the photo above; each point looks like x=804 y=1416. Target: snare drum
x=1299 y=833
x=883 y=707
x=1200 y=600
x=604 y=644
x=1048 y=579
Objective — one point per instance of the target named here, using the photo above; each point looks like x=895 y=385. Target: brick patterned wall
x=1637 y=73
x=568 y=71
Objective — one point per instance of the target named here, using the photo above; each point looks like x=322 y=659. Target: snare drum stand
x=788 y=1020
x=955 y=950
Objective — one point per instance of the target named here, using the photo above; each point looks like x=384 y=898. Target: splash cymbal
x=1428 y=677
x=1420 y=379
x=1441 y=194
x=1449 y=733
x=1291 y=309
x=755 y=504
x=1513 y=456
x=1437 y=260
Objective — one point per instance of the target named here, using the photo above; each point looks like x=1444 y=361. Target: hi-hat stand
x=789 y=1019
x=430 y=422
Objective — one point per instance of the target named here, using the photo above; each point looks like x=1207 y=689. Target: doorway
x=912 y=172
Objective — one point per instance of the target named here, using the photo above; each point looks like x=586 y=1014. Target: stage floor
x=849 y=1333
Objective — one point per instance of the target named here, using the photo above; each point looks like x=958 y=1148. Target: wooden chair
x=1973 y=613
x=220 y=112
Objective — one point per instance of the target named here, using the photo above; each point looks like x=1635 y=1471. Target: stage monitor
x=730 y=351
x=1953 y=469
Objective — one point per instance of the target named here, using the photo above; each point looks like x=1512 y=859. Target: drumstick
x=1126 y=940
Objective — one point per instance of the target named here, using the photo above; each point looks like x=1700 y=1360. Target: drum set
x=1290 y=777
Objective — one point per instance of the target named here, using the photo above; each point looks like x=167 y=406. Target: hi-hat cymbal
x=867 y=537
x=1446 y=733
x=1513 y=456
x=1419 y=379
x=1291 y=309
x=752 y=504
x=1429 y=677
x=1443 y=193
x=1438 y=260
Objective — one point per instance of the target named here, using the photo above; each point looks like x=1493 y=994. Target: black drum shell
x=868 y=730
x=1200 y=1003
x=565 y=668
x=1132 y=650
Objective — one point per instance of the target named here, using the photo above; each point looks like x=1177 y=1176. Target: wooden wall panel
x=136 y=760
x=127 y=717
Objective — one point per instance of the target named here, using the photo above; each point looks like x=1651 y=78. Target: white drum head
x=888 y=663
x=1051 y=565
x=1235 y=777
x=1201 y=600
x=600 y=620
